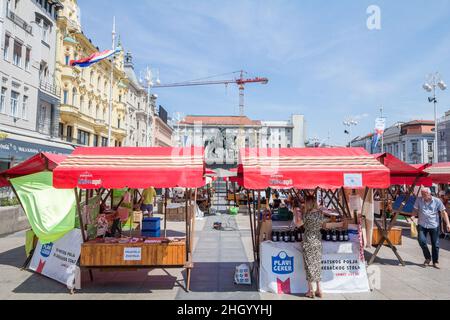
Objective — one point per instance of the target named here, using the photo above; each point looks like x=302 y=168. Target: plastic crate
x=151 y=224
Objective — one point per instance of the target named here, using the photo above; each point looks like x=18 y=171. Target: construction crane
x=241 y=82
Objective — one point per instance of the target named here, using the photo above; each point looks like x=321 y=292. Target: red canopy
x=439 y=172
x=309 y=168
x=403 y=173
x=117 y=168
x=38 y=163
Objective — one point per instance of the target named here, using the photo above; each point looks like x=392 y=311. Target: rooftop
x=220 y=120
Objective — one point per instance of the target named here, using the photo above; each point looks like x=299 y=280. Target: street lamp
x=349 y=123
x=149 y=82
x=433 y=81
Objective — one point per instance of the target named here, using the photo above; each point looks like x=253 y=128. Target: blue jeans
x=434 y=235
x=147 y=207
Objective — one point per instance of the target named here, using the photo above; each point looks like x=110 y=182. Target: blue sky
x=320 y=57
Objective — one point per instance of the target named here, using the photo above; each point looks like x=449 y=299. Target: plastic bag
x=242 y=275
x=414 y=233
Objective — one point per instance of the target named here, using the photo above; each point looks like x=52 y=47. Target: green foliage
x=7 y=202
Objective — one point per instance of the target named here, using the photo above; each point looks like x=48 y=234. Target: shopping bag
x=242 y=275
x=414 y=233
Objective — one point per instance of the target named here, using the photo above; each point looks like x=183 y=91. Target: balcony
x=20 y=22
x=99 y=124
x=69 y=110
x=49 y=88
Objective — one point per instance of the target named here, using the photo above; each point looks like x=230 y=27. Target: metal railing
x=20 y=22
x=49 y=87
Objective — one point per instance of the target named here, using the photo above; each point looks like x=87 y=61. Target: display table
x=282 y=269
x=133 y=254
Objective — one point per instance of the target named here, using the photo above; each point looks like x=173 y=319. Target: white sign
x=282 y=269
x=58 y=260
x=132 y=254
x=353 y=180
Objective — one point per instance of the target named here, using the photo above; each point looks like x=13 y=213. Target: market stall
x=397 y=200
x=439 y=173
x=96 y=170
x=53 y=244
x=324 y=173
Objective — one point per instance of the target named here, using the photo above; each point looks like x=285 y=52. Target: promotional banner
x=380 y=126
x=58 y=260
x=282 y=269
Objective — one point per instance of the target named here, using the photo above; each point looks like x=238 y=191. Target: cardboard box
x=395 y=236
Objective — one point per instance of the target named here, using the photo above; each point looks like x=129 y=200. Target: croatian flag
x=94 y=58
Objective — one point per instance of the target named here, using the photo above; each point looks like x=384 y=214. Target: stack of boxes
x=151 y=228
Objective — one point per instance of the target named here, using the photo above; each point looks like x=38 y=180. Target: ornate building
x=85 y=92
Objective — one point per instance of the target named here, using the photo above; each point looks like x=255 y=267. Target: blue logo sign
x=282 y=264
x=46 y=250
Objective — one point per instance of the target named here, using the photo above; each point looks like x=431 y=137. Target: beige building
x=85 y=92
x=162 y=131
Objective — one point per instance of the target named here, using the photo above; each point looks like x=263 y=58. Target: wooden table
x=136 y=255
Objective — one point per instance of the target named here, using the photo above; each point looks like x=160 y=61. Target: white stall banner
x=58 y=260
x=344 y=273
x=282 y=268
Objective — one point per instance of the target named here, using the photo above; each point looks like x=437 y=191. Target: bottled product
x=341 y=236
x=293 y=236
x=334 y=236
x=328 y=236
x=346 y=238
x=274 y=236
x=287 y=237
x=299 y=236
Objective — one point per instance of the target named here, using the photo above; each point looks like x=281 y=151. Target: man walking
x=429 y=209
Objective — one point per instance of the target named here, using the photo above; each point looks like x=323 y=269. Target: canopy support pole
x=82 y=227
x=166 y=194
x=251 y=225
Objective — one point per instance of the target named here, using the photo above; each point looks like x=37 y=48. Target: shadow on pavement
x=15 y=257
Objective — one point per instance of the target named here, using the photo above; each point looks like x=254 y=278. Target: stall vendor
x=148 y=200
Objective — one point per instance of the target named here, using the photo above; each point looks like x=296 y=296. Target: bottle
x=299 y=236
x=346 y=238
x=293 y=236
x=334 y=236
x=328 y=236
x=264 y=237
x=287 y=237
x=274 y=236
x=341 y=236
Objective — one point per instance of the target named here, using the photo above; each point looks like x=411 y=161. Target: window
x=17 y=54
x=98 y=82
x=65 y=97
x=83 y=138
x=120 y=98
x=6 y=48
x=97 y=112
x=61 y=130
x=69 y=133
x=89 y=108
x=24 y=107
x=14 y=104
x=3 y=101
x=67 y=60
x=27 y=59
x=96 y=140
x=45 y=32
x=91 y=76
x=104 y=142
x=118 y=123
x=74 y=97
x=414 y=147
x=430 y=146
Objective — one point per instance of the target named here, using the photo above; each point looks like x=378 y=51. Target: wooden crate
x=395 y=236
x=112 y=255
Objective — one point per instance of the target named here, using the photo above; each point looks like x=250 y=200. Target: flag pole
x=111 y=82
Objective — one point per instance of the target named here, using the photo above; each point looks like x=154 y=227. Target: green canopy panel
x=51 y=212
